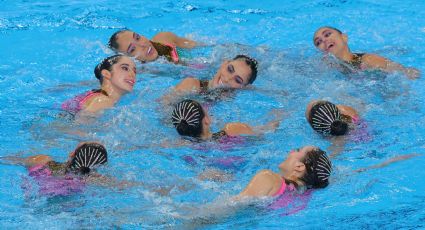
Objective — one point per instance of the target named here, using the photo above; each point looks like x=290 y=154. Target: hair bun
x=182 y=127
x=338 y=128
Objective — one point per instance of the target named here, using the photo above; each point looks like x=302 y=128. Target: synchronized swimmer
x=117 y=76
x=306 y=168
x=333 y=41
x=163 y=44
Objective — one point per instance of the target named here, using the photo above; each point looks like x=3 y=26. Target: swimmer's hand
x=412 y=73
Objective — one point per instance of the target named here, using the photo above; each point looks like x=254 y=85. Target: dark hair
x=253 y=65
x=318 y=169
x=187 y=118
x=325 y=118
x=330 y=27
x=163 y=50
x=113 y=44
x=106 y=63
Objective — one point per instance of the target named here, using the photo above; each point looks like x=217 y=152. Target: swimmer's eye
x=239 y=80
x=327 y=34
x=318 y=42
x=137 y=37
x=125 y=68
x=132 y=49
x=230 y=68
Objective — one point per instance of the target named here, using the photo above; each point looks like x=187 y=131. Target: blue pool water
x=49 y=50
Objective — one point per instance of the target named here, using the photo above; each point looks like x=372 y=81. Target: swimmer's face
x=331 y=41
x=122 y=75
x=293 y=167
x=137 y=46
x=233 y=74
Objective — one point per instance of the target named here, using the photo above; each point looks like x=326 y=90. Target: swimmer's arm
x=236 y=129
x=276 y=115
x=336 y=147
x=262 y=184
x=189 y=84
x=26 y=161
x=348 y=111
x=169 y=37
x=390 y=161
x=377 y=62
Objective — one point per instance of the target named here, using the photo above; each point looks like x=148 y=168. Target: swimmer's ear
x=345 y=38
x=106 y=74
x=206 y=120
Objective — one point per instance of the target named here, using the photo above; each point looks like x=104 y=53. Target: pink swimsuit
x=76 y=104
x=360 y=133
x=289 y=199
x=51 y=185
x=173 y=54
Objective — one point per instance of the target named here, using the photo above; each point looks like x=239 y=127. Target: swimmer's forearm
x=387 y=162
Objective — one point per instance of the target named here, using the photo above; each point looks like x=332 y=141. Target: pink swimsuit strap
x=76 y=104
x=355 y=119
x=281 y=189
x=174 y=55
x=89 y=95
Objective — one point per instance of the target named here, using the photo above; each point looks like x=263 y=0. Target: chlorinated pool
x=49 y=50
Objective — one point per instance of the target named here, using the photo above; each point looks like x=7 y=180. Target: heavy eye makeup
x=239 y=80
x=230 y=68
x=137 y=37
x=125 y=67
x=327 y=33
x=131 y=49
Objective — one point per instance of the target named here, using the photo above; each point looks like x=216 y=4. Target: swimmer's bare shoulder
x=188 y=84
x=236 y=128
x=171 y=38
x=97 y=103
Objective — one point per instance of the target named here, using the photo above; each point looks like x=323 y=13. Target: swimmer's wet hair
x=253 y=65
x=325 y=118
x=187 y=118
x=107 y=64
x=113 y=43
x=318 y=169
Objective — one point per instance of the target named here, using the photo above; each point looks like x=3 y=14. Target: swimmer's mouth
x=330 y=46
x=131 y=82
x=220 y=82
x=149 y=51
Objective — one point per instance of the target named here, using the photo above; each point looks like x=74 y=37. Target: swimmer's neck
x=113 y=94
x=346 y=55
